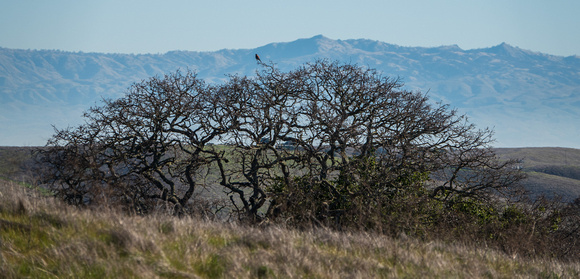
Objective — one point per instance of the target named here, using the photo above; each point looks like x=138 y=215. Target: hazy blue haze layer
x=529 y=98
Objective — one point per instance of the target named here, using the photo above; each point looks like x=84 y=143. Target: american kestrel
x=258 y=58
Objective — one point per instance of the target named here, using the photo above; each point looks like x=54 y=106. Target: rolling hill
x=551 y=171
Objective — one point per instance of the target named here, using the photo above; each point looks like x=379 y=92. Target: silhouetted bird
x=258 y=58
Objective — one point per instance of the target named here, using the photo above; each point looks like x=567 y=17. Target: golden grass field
x=42 y=238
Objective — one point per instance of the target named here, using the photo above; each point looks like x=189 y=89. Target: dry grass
x=541 y=156
x=41 y=238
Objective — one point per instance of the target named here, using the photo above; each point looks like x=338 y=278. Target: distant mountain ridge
x=531 y=98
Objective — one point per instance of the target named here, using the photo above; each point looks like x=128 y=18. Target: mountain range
x=528 y=98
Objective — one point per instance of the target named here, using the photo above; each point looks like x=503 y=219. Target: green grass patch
x=213 y=266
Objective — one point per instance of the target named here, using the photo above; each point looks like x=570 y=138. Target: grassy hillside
x=551 y=170
x=542 y=156
x=41 y=238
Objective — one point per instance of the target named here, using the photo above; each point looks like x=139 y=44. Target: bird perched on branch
x=258 y=58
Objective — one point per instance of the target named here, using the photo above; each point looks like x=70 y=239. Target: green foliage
x=360 y=196
x=481 y=212
x=514 y=215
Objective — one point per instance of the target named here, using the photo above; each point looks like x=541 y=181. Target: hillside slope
x=41 y=238
x=551 y=171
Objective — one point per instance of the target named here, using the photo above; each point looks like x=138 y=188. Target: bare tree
x=363 y=138
x=143 y=147
x=326 y=143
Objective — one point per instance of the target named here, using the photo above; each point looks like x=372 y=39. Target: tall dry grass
x=42 y=238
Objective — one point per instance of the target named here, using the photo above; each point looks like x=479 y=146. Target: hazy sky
x=142 y=26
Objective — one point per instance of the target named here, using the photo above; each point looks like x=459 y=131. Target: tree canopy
x=326 y=143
